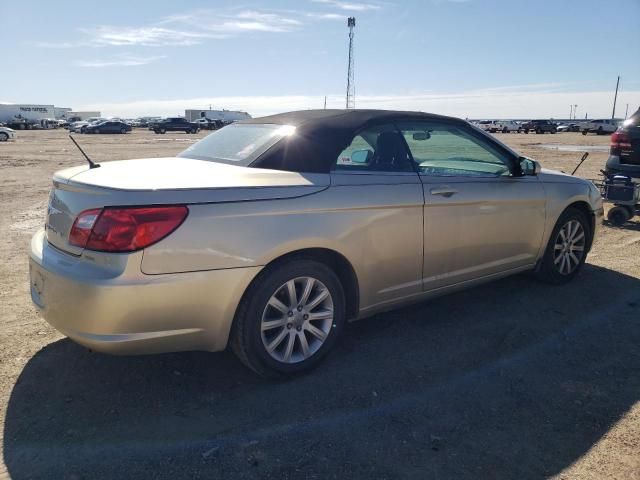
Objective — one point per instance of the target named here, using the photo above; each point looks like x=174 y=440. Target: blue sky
x=476 y=58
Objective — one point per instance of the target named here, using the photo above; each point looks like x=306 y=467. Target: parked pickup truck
x=174 y=124
x=600 y=127
x=208 y=124
x=495 y=126
x=539 y=126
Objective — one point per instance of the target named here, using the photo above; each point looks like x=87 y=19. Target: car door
x=479 y=218
x=379 y=197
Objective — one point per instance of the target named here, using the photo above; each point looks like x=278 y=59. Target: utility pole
x=570 y=111
x=626 y=112
x=575 y=109
x=615 y=99
x=325 y=102
x=351 y=87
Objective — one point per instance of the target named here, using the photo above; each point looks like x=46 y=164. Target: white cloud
x=487 y=103
x=57 y=44
x=124 y=60
x=351 y=6
x=326 y=16
x=144 y=36
x=203 y=24
x=185 y=29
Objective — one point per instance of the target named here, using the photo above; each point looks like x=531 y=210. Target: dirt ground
x=514 y=379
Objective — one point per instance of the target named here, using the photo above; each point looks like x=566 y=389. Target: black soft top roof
x=322 y=134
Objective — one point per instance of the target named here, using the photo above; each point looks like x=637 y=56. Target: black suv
x=540 y=126
x=624 y=155
x=174 y=124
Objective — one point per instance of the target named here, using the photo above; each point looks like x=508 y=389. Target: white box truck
x=25 y=116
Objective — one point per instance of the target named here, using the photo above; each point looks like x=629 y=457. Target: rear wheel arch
x=338 y=263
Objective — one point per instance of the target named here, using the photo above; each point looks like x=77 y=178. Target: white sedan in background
x=7 y=134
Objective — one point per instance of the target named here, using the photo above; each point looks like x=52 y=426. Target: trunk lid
x=164 y=181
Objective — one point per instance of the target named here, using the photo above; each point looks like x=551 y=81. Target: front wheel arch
x=586 y=209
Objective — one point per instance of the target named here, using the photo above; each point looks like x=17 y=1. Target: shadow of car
x=482 y=383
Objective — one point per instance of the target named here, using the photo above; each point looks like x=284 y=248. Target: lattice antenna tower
x=351 y=86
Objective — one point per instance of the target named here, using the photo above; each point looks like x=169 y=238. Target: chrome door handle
x=443 y=191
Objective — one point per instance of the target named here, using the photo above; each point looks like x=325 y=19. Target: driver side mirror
x=529 y=166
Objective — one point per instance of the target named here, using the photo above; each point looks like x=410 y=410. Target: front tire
x=567 y=248
x=3 y=137
x=289 y=318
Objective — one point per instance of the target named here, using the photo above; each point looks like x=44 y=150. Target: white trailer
x=226 y=116
x=61 y=112
x=21 y=116
x=80 y=116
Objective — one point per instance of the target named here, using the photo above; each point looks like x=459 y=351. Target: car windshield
x=238 y=144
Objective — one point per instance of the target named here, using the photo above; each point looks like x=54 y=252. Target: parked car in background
x=488 y=126
x=7 y=134
x=508 y=126
x=568 y=127
x=600 y=127
x=174 y=124
x=624 y=154
x=496 y=126
x=108 y=126
x=76 y=127
x=269 y=234
x=539 y=126
x=208 y=124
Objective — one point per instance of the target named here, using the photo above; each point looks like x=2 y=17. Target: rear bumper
x=113 y=307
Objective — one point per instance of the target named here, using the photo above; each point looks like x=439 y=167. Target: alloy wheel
x=569 y=247
x=297 y=320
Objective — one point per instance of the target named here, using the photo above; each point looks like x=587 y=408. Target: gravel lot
x=514 y=379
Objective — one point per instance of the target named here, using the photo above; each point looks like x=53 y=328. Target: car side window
x=451 y=150
x=375 y=149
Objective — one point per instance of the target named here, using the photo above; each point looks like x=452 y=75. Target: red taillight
x=620 y=141
x=125 y=229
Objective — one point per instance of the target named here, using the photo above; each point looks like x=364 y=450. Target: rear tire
x=584 y=132
x=280 y=350
x=566 y=251
x=3 y=137
x=619 y=215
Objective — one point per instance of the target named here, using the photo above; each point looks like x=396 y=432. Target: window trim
x=392 y=123
x=478 y=134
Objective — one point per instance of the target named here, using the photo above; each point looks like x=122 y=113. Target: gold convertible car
x=271 y=233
